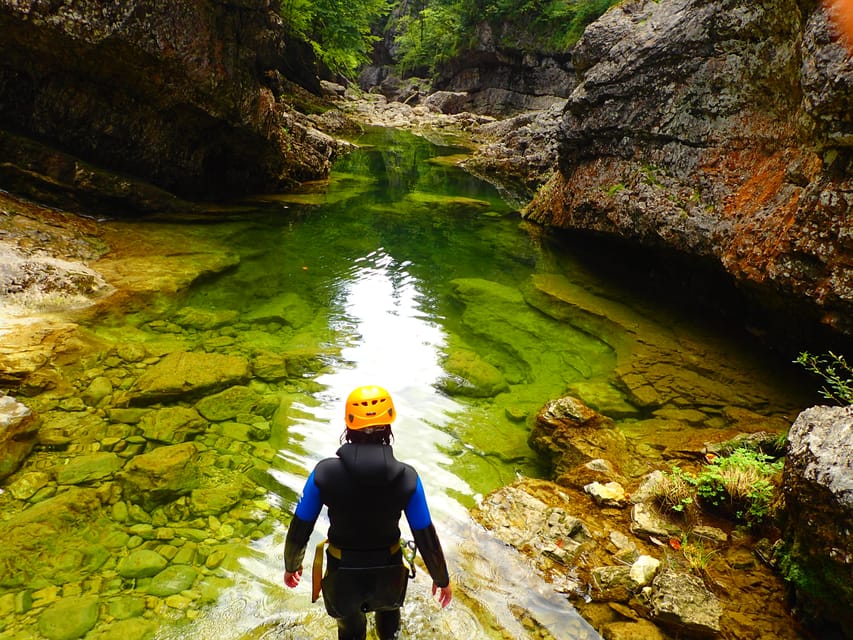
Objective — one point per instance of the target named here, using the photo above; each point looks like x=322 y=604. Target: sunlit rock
x=610 y=494
x=19 y=428
x=644 y=569
x=568 y=434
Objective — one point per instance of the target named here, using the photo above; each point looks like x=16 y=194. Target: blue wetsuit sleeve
x=417 y=511
x=309 y=505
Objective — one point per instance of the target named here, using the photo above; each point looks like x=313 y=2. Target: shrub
x=742 y=484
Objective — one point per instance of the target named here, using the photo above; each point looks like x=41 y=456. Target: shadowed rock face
x=720 y=130
x=181 y=95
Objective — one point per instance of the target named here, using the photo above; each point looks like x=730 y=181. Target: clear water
x=404 y=271
x=374 y=254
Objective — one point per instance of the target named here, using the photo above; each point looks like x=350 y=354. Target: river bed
x=404 y=271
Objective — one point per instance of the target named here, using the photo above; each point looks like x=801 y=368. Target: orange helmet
x=369 y=407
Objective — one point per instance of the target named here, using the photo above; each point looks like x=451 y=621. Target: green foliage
x=743 y=481
x=438 y=30
x=338 y=30
x=429 y=38
x=836 y=373
x=742 y=484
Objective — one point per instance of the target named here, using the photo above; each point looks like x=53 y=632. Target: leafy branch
x=835 y=371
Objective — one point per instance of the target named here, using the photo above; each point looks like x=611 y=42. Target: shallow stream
x=407 y=272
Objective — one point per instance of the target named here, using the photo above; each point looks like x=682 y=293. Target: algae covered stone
x=188 y=374
x=141 y=563
x=172 y=580
x=87 y=468
x=172 y=424
x=470 y=375
x=69 y=618
x=227 y=404
x=160 y=475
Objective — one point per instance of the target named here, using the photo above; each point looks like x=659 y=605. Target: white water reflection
x=390 y=338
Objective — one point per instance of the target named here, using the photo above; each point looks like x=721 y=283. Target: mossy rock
x=470 y=375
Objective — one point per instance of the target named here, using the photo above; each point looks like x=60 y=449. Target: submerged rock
x=69 y=618
x=469 y=375
x=161 y=475
x=188 y=374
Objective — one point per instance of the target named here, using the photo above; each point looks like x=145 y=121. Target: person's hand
x=291 y=578
x=445 y=594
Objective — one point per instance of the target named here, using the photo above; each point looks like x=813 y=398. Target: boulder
x=18 y=431
x=680 y=601
x=818 y=516
x=69 y=618
x=188 y=374
x=172 y=425
x=228 y=404
x=567 y=434
x=469 y=375
x=160 y=475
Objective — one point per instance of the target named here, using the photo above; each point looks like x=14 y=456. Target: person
x=366 y=490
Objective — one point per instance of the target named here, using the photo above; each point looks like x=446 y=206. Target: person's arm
x=426 y=539
x=301 y=526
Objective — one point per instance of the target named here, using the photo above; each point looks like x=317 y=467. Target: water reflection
x=390 y=338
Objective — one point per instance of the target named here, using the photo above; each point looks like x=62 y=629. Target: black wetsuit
x=366 y=490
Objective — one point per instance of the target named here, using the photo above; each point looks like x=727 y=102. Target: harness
x=408 y=550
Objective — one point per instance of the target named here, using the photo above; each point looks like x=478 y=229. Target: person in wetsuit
x=366 y=490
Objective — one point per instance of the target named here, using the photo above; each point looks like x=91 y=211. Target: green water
x=404 y=271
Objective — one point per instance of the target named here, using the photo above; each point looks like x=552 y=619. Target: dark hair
x=380 y=434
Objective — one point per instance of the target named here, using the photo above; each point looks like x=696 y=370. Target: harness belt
x=337 y=553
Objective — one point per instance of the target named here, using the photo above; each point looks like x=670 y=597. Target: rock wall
x=502 y=74
x=722 y=130
x=181 y=95
x=818 y=486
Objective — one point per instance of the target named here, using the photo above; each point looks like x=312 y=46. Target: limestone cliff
x=722 y=130
x=179 y=97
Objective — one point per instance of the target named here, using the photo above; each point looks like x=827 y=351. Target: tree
x=338 y=30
